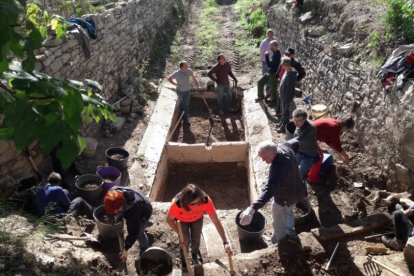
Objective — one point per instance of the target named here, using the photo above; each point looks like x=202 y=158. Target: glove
x=247 y=216
x=124 y=255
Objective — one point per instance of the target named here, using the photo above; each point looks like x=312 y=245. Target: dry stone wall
x=345 y=84
x=125 y=37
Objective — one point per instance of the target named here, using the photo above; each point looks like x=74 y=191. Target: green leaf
x=9 y=11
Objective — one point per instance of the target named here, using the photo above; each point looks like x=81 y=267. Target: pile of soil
x=109 y=178
x=90 y=186
x=118 y=156
x=149 y=267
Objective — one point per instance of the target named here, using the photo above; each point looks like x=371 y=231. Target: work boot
x=187 y=123
x=258 y=99
x=194 y=259
x=392 y=243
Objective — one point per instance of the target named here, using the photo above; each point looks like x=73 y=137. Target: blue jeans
x=224 y=90
x=283 y=222
x=403 y=227
x=142 y=237
x=305 y=163
x=184 y=102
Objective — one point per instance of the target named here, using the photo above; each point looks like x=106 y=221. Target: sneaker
x=194 y=259
x=392 y=243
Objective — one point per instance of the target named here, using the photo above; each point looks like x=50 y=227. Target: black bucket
x=91 y=194
x=254 y=231
x=117 y=158
x=154 y=261
x=290 y=130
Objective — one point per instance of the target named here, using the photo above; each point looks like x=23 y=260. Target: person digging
x=188 y=207
x=329 y=131
x=136 y=209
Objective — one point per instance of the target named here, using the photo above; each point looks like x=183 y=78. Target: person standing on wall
x=220 y=74
x=287 y=92
x=284 y=184
x=265 y=47
x=308 y=147
x=329 y=131
x=290 y=52
x=189 y=206
x=270 y=77
x=182 y=80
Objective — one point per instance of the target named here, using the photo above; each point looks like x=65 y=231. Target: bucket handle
x=99 y=167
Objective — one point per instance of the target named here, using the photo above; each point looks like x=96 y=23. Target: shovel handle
x=231 y=265
x=184 y=248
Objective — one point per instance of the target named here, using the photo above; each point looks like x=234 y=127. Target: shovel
x=211 y=120
x=66 y=237
x=185 y=251
x=231 y=270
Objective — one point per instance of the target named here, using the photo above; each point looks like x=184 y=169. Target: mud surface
x=226 y=183
x=227 y=127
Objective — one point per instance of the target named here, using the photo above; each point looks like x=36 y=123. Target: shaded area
x=225 y=183
x=228 y=127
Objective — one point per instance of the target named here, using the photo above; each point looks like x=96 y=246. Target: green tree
x=33 y=105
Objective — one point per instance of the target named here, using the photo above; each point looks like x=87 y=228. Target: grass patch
x=207 y=33
x=252 y=18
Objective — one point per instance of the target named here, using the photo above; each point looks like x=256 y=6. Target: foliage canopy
x=33 y=105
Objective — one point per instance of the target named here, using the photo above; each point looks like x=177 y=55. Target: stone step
x=213 y=241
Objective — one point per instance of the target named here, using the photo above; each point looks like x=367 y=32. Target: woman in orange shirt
x=188 y=207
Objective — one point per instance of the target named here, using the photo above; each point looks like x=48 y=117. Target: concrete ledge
x=257 y=130
x=199 y=153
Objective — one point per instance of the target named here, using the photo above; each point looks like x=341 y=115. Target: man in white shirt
x=265 y=47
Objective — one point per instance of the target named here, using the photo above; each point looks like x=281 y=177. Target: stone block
x=55 y=65
x=409 y=252
x=117 y=125
x=306 y=17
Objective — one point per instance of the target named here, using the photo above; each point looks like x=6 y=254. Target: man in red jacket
x=329 y=131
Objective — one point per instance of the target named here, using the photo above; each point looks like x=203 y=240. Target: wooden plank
x=367 y=224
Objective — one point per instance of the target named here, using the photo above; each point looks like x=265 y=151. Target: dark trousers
x=80 y=207
x=192 y=235
x=402 y=227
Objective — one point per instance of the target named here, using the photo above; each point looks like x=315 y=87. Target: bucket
x=111 y=177
x=319 y=111
x=89 y=187
x=305 y=214
x=117 y=158
x=90 y=149
x=154 y=261
x=254 y=231
x=106 y=230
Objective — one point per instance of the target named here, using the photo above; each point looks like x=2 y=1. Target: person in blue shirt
x=53 y=195
x=403 y=228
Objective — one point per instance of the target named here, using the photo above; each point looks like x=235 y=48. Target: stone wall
x=342 y=82
x=125 y=37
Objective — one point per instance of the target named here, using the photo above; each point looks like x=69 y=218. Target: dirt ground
x=225 y=182
x=228 y=127
x=27 y=251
